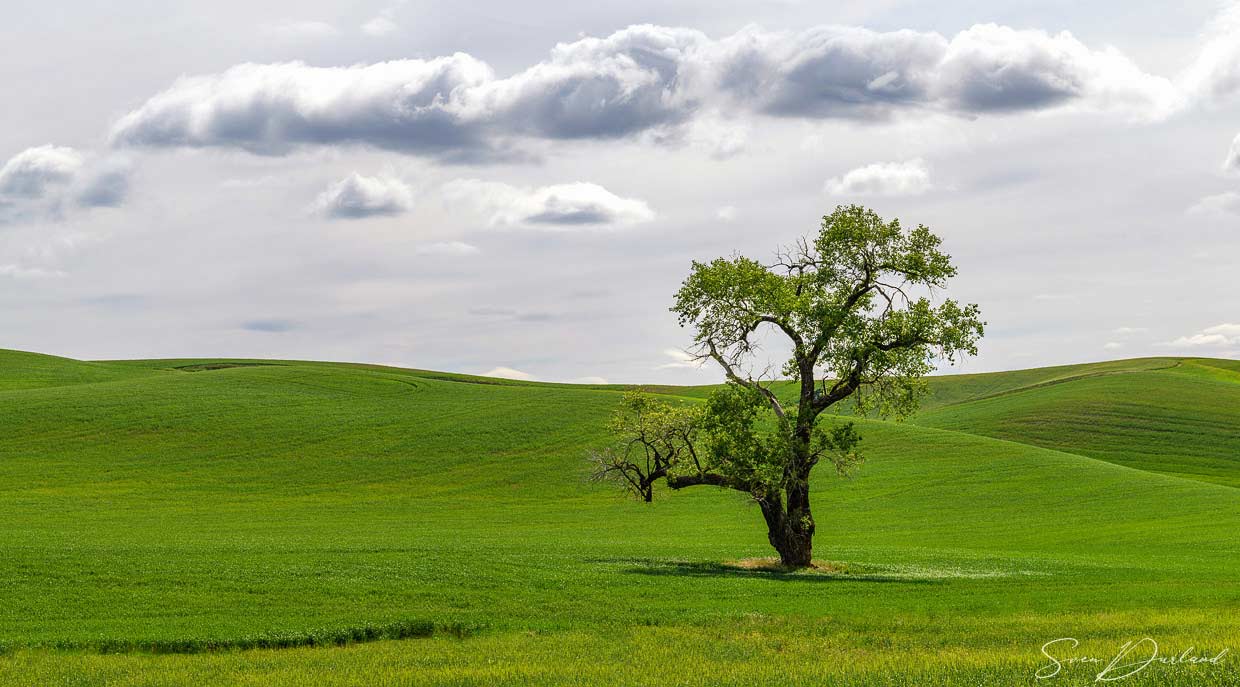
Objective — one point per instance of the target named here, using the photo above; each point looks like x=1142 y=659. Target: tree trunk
x=791 y=530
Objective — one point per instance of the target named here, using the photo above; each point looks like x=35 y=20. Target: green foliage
x=738 y=447
x=855 y=303
x=654 y=438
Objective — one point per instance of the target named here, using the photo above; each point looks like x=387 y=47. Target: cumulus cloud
x=559 y=206
x=1112 y=346
x=1215 y=73
x=357 y=196
x=30 y=173
x=727 y=213
x=641 y=79
x=588 y=380
x=105 y=184
x=1226 y=204
x=1217 y=336
x=509 y=373
x=268 y=108
x=908 y=178
x=996 y=68
x=44 y=181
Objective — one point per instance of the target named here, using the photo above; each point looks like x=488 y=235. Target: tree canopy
x=857 y=305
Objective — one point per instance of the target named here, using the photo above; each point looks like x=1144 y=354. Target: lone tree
x=855 y=306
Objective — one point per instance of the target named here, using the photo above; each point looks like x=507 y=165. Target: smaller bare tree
x=655 y=437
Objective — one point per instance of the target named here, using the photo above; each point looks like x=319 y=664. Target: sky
x=518 y=189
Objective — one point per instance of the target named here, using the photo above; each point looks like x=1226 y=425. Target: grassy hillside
x=184 y=505
x=1172 y=416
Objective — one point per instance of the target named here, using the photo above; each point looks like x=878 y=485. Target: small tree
x=853 y=304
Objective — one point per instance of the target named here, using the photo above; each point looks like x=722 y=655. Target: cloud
x=727 y=213
x=991 y=68
x=832 y=71
x=446 y=249
x=718 y=137
x=1216 y=336
x=643 y=78
x=270 y=108
x=680 y=359
x=588 y=380
x=908 y=178
x=380 y=26
x=559 y=206
x=22 y=272
x=1112 y=346
x=1215 y=73
x=1129 y=331
x=41 y=182
x=827 y=71
x=105 y=184
x=509 y=373
x=1224 y=204
x=30 y=173
x=269 y=326
x=1232 y=164
x=357 y=196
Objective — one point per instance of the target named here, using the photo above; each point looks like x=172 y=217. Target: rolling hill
x=184 y=505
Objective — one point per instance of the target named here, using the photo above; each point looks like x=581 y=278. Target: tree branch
x=682 y=481
x=743 y=381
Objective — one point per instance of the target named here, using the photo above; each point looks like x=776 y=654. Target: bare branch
x=730 y=371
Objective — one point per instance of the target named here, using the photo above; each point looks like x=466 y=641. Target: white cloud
x=1224 y=204
x=1216 y=336
x=1112 y=346
x=30 y=173
x=403 y=104
x=446 y=249
x=509 y=373
x=1215 y=74
x=718 y=137
x=559 y=206
x=358 y=196
x=380 y=26
x=997 y=68
x=1232 y=164
x=105 y=184
x=908 y=178
x=588 y=380
x=44 y=181
x=643 y=78
x=727 y=213
x=21 y=272
x=1129 y=331
x=680 y=359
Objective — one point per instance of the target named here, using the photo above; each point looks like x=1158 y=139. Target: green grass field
x=163 y=521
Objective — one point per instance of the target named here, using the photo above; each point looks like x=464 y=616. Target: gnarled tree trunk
x=791 y=530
